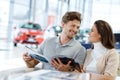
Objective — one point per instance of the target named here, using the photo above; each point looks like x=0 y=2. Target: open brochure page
x=34 y=54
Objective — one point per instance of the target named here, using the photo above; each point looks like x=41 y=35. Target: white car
x=52 y=31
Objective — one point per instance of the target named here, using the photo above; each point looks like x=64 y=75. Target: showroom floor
x=7 y=51
x=10 y=56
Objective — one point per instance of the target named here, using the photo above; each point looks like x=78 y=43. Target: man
x=64 y=45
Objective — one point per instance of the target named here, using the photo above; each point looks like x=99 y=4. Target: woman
x=102 y=60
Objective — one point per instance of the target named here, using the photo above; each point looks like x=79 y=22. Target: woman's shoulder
x=112 y=51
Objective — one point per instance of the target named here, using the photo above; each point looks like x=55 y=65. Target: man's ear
x=63 y=24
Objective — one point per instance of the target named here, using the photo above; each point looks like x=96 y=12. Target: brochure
x=34 y=54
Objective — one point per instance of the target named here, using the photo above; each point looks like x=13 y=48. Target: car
x=28 y=33
x=52 y=31
x=84 y=35
x=55 y=30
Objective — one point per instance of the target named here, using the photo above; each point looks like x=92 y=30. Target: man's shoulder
x=78 y=45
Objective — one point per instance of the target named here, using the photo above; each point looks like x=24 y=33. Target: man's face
x=71 y=28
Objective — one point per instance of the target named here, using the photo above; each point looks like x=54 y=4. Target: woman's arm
x=101 y=77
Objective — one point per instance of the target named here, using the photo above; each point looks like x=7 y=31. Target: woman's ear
x=100 y=37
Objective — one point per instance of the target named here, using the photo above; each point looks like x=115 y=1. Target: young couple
x=101 y=61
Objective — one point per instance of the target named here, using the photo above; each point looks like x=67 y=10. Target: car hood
x=31 y=31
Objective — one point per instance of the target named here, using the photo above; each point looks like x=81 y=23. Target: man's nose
x=89 y=33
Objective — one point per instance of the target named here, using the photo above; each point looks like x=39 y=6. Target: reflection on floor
x=10 y=55
x=7 y=51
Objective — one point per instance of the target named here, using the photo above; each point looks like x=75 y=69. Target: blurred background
x=29 y=22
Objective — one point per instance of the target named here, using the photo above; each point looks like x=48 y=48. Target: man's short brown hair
x=70 y=16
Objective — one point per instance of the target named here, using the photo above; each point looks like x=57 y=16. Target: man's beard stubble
x=71 y=37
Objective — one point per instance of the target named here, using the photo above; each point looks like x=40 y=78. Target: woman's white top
x=96 y=53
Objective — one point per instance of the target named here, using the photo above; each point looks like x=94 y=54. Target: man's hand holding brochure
x=34 y=54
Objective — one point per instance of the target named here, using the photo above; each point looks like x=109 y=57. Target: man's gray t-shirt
x=51 y=47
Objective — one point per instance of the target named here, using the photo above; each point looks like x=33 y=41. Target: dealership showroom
x=27 y=23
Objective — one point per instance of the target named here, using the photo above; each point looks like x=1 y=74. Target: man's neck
x=64 y=40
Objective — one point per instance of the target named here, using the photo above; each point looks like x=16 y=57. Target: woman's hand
x=59 y=65
x=81 y=70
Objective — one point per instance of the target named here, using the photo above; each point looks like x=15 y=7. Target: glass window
x=31 y=26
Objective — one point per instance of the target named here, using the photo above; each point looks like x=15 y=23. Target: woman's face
x=94 y=36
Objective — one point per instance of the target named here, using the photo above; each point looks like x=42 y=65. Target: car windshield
x=31 y=26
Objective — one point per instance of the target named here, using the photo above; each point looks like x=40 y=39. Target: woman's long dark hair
x=107 y=36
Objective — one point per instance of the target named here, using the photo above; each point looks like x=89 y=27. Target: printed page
x=34 y=54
